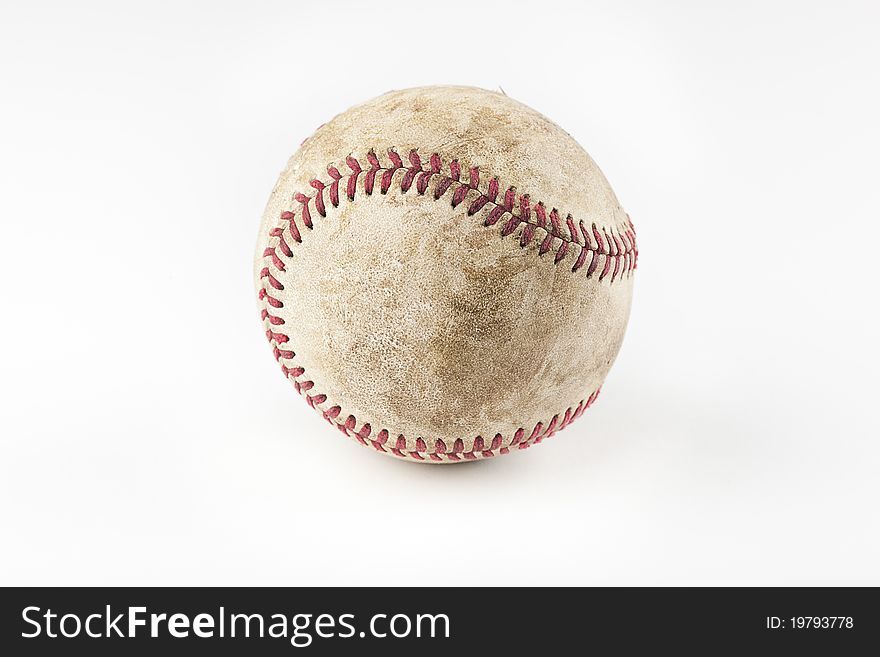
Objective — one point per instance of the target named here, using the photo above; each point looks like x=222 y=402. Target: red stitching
x=619 y=248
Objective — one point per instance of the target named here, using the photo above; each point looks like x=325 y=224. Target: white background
x=148 y=437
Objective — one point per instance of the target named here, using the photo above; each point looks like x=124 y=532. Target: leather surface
x=415 y=317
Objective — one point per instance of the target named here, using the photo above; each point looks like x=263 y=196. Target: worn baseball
x=444 y=274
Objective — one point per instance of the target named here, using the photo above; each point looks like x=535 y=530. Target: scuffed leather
x=417 y=318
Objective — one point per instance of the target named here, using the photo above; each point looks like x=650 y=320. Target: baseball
x=444 y=274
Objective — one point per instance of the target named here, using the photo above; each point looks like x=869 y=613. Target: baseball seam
x=616 y=247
